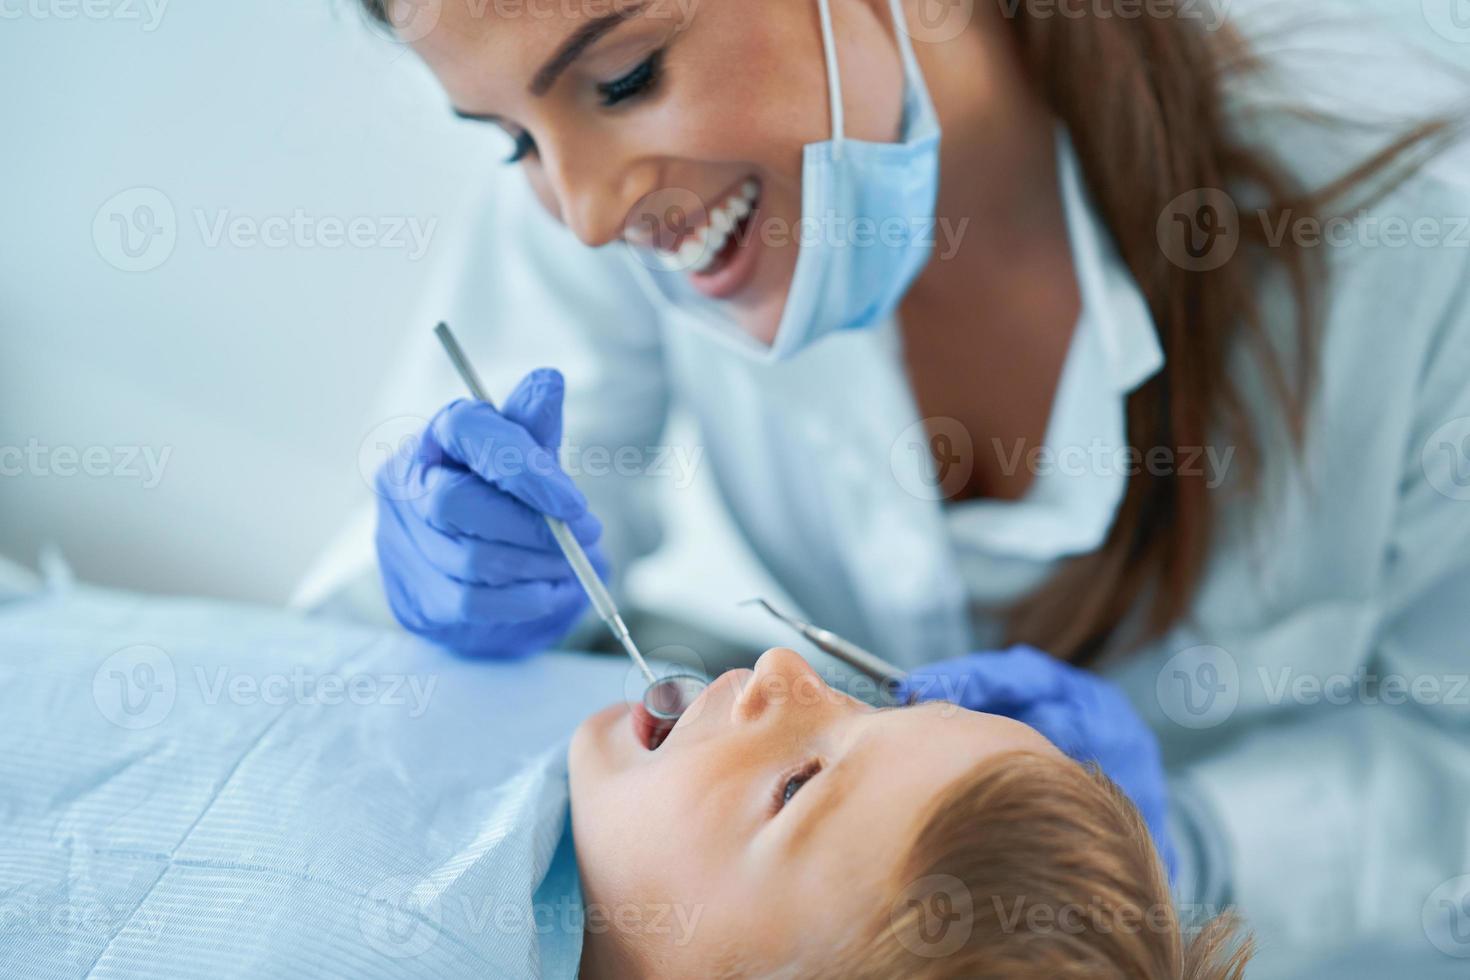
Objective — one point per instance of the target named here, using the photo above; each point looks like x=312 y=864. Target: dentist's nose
x=592 y=195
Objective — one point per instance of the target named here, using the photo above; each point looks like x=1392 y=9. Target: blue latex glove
x=466 y=556
x=1085 y=716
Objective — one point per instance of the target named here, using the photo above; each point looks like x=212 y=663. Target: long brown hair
x=1146 y=101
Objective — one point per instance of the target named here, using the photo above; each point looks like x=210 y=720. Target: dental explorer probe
x=845 y=650
x=602 y=600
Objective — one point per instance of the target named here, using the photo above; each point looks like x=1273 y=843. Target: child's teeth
x=749 y=189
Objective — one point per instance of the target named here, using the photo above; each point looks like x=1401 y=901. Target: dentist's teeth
x=711 y=250
x=691 y=253
x=698 y=252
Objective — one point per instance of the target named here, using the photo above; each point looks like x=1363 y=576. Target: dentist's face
x=772 y=820
x=670 y=121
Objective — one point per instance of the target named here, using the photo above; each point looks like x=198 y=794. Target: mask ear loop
x=905 y=44
x=834 y=80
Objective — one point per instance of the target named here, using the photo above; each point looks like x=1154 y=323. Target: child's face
x=688 y=850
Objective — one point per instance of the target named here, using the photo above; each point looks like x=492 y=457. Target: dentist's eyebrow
x=580 y=40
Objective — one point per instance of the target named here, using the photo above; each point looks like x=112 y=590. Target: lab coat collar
x=1114 y=349
x=1110 y=296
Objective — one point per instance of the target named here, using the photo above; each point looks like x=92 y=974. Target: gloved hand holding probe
x=467 y=558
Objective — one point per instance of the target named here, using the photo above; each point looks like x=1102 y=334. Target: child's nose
x=782 y=678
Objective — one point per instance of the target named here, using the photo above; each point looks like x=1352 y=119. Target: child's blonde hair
x=1029 y=867
x=1034 y=866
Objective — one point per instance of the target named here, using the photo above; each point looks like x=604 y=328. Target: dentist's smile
x=717 y=252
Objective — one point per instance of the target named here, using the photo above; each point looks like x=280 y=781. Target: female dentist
x=1001 y=327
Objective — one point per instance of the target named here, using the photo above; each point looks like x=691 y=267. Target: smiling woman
x=788 y=824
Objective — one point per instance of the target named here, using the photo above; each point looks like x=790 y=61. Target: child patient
x=786 y=830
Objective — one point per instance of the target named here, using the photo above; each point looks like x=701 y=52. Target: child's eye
x=639 y=81
x=790 y=784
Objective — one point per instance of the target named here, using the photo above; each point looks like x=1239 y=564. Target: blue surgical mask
x=867 y=223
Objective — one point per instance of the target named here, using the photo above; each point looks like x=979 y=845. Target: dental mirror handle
x=602 y=600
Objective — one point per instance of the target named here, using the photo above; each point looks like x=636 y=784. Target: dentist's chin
x=758 y=309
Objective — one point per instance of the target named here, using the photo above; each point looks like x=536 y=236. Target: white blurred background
x=251 y=366
x=219 y=398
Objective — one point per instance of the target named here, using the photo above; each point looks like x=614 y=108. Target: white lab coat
x=1325 y=822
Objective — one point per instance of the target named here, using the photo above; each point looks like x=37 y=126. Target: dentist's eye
x=640 y=81
x=792 y=782
x=524 y=147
